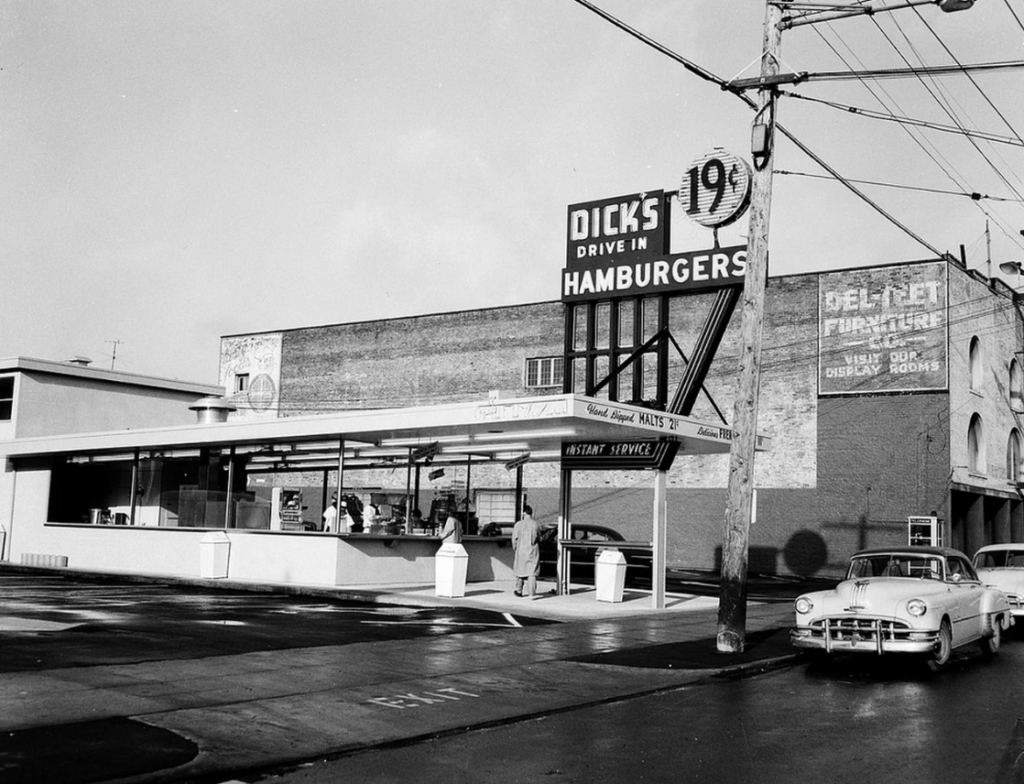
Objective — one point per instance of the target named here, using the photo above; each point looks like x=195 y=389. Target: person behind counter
x=371 y=517
x=353 y=509
x=331 y=514
x=452 y=531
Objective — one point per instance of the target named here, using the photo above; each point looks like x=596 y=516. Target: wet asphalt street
x=860 y=719
x=108 y=679
x=110 y=622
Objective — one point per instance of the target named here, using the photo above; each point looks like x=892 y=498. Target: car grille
x=869 y=630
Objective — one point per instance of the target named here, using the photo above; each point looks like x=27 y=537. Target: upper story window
x=6 y=398
x=1013 y=457
x=1016 y=386
x=544 y=372
x=976 y=446
x=975 y=363
x=241 y=383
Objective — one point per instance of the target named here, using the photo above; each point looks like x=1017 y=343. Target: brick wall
x=975 y=312
x=881 y=459
x=422 y=360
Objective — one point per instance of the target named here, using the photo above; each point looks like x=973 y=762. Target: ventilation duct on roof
x=210 y=410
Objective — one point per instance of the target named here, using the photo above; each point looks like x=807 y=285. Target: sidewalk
x=227 y=715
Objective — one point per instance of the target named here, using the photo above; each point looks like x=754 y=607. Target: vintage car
x=912 y=600
x=1002 y=566
x=589 y=540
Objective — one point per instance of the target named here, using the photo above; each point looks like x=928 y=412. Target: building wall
x=788 y=393
x=422 y=360
x=847 y=465
x=49 y=404
x=993 y=318
x=259 y=358
x=54 y=398
x=881 y=458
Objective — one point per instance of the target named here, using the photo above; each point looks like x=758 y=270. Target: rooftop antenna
x=113 y=356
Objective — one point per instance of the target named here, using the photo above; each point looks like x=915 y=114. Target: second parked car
x=1002 y=566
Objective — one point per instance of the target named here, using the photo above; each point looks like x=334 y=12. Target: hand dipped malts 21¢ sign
x=619 y=247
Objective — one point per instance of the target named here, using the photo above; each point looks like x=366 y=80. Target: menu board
x=883 y=329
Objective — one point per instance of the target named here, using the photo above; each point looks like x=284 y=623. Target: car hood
x=1008 y=580
x=880 y=596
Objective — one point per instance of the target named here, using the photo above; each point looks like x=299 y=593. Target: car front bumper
x=863 y=635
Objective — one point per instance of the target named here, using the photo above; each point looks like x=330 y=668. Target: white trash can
x=610 y=576
x=450 y=567
x=213 y=554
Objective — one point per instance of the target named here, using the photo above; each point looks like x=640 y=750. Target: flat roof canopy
x=492 y=430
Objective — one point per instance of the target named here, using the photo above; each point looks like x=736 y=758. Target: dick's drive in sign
x=619 y=247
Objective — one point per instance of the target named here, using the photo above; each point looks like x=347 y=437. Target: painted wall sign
x=882 y=330
x=702 y=269
x=716 y=189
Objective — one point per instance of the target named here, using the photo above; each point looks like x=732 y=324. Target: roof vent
x=210 y=410
x=81 y=361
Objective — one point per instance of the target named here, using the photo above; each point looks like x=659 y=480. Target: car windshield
x=925 y=567
x=996 y=559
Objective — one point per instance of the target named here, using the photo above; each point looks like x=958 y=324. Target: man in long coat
x=526 y=547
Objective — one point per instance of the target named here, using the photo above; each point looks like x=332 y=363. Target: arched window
x=1016 y=386
x=976 y=446
x=975 y=361
x=1014 y=455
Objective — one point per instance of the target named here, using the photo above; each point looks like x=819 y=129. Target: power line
x=710 y=77
x=968 y=75
x=1013 y=13
x=974 y=196
x=949 y=113
x=918 y=139
x=870 y=113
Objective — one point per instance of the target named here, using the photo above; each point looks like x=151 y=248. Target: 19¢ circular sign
x=716 y=188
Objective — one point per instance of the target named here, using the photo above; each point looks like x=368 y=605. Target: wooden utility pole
x=732 y=607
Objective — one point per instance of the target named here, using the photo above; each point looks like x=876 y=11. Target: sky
x=174 y=172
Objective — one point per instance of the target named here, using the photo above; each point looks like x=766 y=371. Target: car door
x=967 y=594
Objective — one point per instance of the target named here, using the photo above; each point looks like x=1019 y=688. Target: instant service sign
x=882 y=330
x=619 y=247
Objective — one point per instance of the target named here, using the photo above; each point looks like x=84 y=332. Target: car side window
x=968 y=571
x=959 y=570
x=953 y=570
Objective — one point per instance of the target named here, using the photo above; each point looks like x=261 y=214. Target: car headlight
x=917 y=607
x=804 y=605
